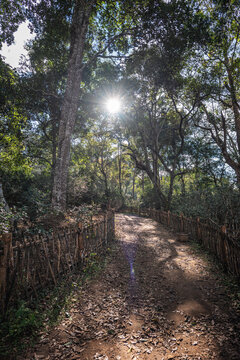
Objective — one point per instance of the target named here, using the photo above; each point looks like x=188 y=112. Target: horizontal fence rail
x=38 y=261
x=212 y=238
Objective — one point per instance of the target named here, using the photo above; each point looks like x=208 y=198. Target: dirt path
x=155 y=300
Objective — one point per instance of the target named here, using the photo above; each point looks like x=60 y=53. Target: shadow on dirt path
x=155 y=300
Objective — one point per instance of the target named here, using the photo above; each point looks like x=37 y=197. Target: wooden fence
x=38 y=261
x=213 y=238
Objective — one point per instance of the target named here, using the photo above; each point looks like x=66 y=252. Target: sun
x=113 y=105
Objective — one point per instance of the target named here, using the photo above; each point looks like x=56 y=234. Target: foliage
x=12 y=124
x=23 y=322
x=6 y=218
x=217 y=204
x=12 y=13
x=20 y=324
x=175 y=142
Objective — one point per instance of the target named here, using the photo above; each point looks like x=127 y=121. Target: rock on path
x=156 y=299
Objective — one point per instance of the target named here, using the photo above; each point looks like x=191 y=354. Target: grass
x=25 y=322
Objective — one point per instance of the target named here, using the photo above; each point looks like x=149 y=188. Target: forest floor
x=155 y=299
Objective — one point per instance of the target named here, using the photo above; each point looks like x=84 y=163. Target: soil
x=156 y=299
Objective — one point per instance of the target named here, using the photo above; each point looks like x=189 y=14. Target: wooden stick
x=6 y=239
x=48 y=261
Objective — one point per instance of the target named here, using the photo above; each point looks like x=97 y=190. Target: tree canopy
x=175 y=142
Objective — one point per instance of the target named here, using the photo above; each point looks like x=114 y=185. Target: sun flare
x=113 y=105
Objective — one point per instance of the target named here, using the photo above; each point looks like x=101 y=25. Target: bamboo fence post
x=36 y=257
x=70 y=241
x=38 y=253
x=76 y=247
x=181 y=223
x=48 y=261
x=224 y=248
x=66 y=246
x=4 y=262
x=58 y=254
x=168 y=218
x=94 y=231
x=113 y=225
x=80 y=240
x=198 y=229
x=99 y=240
x=105 y=228
x=224 y=229
x=93 y=236
x=32 y=270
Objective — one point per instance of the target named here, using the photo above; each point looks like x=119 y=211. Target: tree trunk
x=142 y=181
x=80 y=21
x=183 y=187
x=133 y=185
x=105 y=176
x=120 y=168
x=170 y=191
x=54 y=151
x=235 y=105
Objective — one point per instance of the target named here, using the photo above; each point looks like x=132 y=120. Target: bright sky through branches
x=113 y=105
x=13 y=53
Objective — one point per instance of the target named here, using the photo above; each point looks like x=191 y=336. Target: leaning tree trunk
x=81 y=15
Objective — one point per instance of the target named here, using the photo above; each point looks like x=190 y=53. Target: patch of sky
x=12 y=54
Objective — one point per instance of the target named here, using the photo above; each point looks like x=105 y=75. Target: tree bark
x=143 y=181
x=133 y=185
x=54 y=136
x=234 y=100
x=170 y=190
x=80 y=21
x=120 y=168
